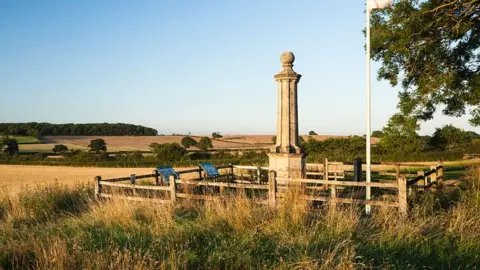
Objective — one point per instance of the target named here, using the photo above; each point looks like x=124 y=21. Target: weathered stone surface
x=287 y=113
x=286 y=157
x=287 y=165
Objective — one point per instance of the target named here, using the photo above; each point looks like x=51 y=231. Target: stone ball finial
x=287 y=58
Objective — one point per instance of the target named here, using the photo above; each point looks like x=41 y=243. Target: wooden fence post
x=132 y=181
x=258 y=175
x=325 y=172
x=199 y=172
x=440 y=176
x=272 y=189
x=231 y=172
x=173 y=189
x=421 y=182
x=98 y=188
x=402 y=195
x=433 y=176
x=155 y=177
x=333 y=196
x=397 y=171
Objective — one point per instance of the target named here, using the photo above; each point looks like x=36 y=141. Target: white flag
x=379 y=4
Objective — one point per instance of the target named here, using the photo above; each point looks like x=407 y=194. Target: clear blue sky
x=188 y=66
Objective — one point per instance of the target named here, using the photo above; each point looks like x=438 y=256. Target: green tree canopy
x=311 y=133
x=34 y=129
x=377 y=134
x=474 y=135
x=205 y=143
x=335 y=148
x=9 y=145
x=97 y=145
x=450 y=137
x=432 y=48
x=33 y=133
x=169 y=151
x=187 y=142
x=400 y=135
x=216 y=135
x=59 y=148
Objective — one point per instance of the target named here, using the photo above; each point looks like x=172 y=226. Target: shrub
x=222 y=154
x=200 y=156
x=187 y=142
x=169 y=152
x=59 y=148
x=53 y=200
x=205 y=143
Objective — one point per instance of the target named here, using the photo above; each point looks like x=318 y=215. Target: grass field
x=25 y=139
x=58 y=227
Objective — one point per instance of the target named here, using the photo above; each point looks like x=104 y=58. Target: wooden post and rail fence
x=273 y=190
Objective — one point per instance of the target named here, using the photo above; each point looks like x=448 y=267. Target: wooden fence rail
x=173 y=191
x=426 y=179
x=274 y=189
x=471 y=156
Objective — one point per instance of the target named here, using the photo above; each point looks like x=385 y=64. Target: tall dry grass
x=55 y=227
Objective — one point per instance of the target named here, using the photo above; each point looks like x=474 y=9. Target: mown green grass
x=25 y=139
x=53 y=227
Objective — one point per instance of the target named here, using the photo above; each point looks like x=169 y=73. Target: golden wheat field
x=130 y=143
x=133 y=143
x=15 y=177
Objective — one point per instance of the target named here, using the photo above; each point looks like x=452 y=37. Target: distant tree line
x=36 y=130
x=163 y=154
x=399 y=142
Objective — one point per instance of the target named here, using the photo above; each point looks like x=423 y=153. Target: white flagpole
x=368 y=208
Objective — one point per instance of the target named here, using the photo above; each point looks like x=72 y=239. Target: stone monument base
x=287 y=165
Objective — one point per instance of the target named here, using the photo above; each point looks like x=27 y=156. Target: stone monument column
x=286 y=158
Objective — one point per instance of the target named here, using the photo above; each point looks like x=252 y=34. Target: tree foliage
x=312 y=133
x=377 y=134
x=59 y=148
x=474 y=135
x=450 y=137
x=343 y=149
x=9 y=145
x=216 y=135
x=97 y=145
x=169 y=151
x=204 y=144
x=102 y=129
x=432 y=48
x=400 y=136
x=188 y=141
